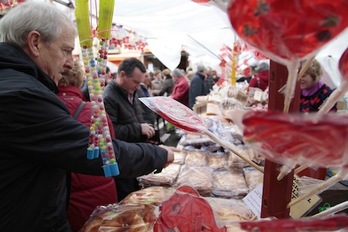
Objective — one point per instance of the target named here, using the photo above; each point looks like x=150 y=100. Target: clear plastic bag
x=116 y=217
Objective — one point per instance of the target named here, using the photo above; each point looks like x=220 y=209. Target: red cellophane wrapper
x=288 y=31
x=334 y=223
x=343 y=65
x=285 y=30
x=290 y=139
x=176 y=113
x=186 y=211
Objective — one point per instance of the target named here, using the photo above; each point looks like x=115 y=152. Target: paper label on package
x=254 y=200
x=304 y=206
x=258 y=95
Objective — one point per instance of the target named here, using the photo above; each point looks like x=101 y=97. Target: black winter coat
x=125 y=117
x=40 y=142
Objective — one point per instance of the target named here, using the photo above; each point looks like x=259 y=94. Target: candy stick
x=290 y=83
x=301 y=168
x=235 y=54
x=341 y=90
x=305 y=66
x=232 y=148
x=334 y=97
x=184 y=118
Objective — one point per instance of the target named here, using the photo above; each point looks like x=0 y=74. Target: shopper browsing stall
x=40 y=140
x=313 y=91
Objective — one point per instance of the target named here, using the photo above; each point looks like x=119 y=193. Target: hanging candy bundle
x=100 y=142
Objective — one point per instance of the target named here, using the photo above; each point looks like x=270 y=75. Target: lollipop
x=186 y=211
x=335 y=95
x=333 y=223
x=290 y=139
x=288 y=31
x=184 y=118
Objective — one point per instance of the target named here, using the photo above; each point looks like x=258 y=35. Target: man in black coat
x=39 y=139
x=197 y=85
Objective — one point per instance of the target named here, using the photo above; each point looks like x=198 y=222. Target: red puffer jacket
x=260 y=80
x=181 y=91
x=87 y=192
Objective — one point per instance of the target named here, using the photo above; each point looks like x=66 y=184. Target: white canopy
x=172 y=25
x=200 y=29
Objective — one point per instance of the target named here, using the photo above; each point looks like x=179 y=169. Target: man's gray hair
x=42 y=17
x=177 y=73
x=201 y=68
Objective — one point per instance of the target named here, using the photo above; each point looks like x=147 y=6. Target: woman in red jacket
x=260 y=80
x=181 y=87
x=86 y=192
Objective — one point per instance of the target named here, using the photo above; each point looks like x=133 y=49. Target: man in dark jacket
x=122 y=103
x=126 y=113
x=197 y=85
x=39 y=139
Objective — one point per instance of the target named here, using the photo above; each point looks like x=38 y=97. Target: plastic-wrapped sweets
x=153 y=195
x=166 y=177
x=229 y=184
x=199 y=178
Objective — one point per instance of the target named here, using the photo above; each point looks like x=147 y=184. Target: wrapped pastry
x=199 y=178
x=115 y=217
x=217 y=160
x=252 y=177
x=179 y=157
x=166 y=177
x=236 y=162
x=196 y=141
x=229 y=210
x=196 y=158
x=154 y=195
x=213 y=109
x=229 y=184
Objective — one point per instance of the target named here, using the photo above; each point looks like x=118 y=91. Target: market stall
x=259 y=32
x=218 y=163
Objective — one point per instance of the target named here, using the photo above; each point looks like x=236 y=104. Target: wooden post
x=277 y=194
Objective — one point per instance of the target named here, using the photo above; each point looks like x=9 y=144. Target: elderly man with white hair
x=40 y=142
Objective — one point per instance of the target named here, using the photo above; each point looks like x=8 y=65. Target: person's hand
x=170 y=151
x=147 y=130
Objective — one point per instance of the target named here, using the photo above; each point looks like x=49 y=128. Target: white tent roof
x=172 y=25
x=201 y=29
